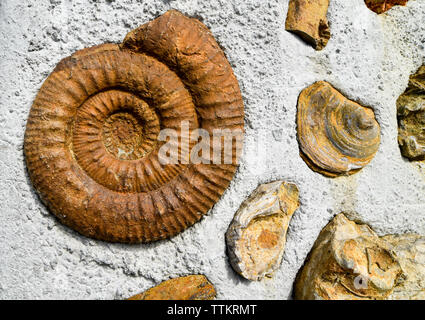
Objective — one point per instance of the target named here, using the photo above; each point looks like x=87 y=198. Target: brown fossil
x=380 y=6
x=307 y=18
x=91 y=139
x=348 y=262
x=194 y=287
x=336 y=136
x=411 y=117
x=257 y=235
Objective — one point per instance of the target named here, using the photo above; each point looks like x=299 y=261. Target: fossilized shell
x=336 y=136
x=194 y=287
x=348 y=262
x=257 y=235
x=410 y=252
x=308 y=20
x=380 y=6
x=411 y=117
x=91 y=139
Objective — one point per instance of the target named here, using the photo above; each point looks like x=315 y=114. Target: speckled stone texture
x=369 y=59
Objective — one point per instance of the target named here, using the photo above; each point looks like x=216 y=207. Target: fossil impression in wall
x=349 y=261
x=336 y=136
x=380 y=6
x=308 y=20
x=411 y=117
x=257 y=235
x=91 y=142
x=194 y=287
x=410 y=252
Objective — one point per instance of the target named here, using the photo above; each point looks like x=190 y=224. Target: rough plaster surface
x=369 y=58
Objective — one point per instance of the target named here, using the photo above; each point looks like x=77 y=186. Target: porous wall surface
x=369 y=59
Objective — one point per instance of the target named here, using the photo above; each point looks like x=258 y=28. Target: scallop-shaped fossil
x=336 y=136
x=194 y=287
x=92 y=141
x=380 y=6
x=411 y=117
x=257 y=235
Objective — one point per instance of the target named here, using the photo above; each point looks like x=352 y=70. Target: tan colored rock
x=194 y=287
x=410 y=251
x=348 y=262
x=411 y=117
x=307 y=18
x=257 y=235
x=337 y=136
x=380 y=6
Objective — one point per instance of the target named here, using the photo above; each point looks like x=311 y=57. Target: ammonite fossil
x=336 y=136
x=411 y=117
x=308 y=20
x=256 y=237
x=91 y=141
x=194 y=287
x=380 y=6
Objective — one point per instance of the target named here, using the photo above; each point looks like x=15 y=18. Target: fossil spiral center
x=123 y=136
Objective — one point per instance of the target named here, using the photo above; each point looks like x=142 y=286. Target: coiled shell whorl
x=91 y=141
x=336 y=136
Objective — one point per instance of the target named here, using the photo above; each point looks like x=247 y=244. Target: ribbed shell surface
x=166 y=72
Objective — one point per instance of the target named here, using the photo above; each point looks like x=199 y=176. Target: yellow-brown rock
x=194 y=287
x=348 y=262
x=410 y=252
x=257 y=235
x=307 y=18
x=336 y=136
x=411 y=117
x=380 y=6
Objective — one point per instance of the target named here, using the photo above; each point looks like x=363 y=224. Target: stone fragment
x=337 y=136
x=193 y=287
x=411 y=117
x=257 y=235
x=348 y=262
x=308 y=20
x=380 y=6
x=410 y=251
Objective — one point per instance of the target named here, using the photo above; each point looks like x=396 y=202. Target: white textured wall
x=369 y=58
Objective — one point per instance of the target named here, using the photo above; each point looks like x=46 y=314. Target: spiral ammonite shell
x=91 y=141
x=336 y=136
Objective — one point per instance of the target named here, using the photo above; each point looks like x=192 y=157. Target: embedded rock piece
x=410 y=252
x=336 y=136
x=257 y=235
x=380 y=6
x=411 y=117
x=348 y=262
x=194 y=287
x=308 y=20
x=92 y=142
